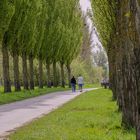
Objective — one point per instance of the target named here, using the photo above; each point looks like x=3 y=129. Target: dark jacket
x=73 y=81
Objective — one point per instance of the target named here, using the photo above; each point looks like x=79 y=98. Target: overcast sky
x=85 y=5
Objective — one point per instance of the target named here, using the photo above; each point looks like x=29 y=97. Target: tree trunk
x=16 y=71
x=6 y=75
x=48 y=75
x=129 y=43
x=54 y=75
x=69 y=75
x=62 y=75
x=137 y=66
x=111 y=58
x=24 y=71
x=31 y=69
x=40 y=69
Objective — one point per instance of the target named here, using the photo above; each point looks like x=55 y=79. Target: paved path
x=16 y=114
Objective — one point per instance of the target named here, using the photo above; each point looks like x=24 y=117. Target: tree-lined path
x=16 y=114
x=41 y=39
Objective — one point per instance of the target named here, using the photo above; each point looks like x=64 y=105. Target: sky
x=85 y=5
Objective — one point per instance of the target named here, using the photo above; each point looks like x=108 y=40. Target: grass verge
x=25 y=94
x=87 y=85
x=91 y=116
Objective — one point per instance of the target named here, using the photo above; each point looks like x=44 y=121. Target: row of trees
x=118 y=23
x=47 y=30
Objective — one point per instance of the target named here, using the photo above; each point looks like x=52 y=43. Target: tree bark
x=62 y=75
x=48 y=75
x=40 y=78
x=24 y=71
x=69 y=75
x=54 y=75
x=6 y=75
x=31 y=69
x=111 y=59
x=129 y=43
x=16 y=71
x=137 y=67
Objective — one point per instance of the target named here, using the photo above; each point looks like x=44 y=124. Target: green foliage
x=91 y=73
x=28 y=34
x=7 y=9
x=41 y=27
x=100 y=59
x=104 y=19
x=91 y=116
x=45 y=28
x=60 y=37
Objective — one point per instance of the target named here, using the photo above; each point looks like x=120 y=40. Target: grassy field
x=91 y=116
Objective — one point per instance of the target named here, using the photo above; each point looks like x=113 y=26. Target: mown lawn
x=24 y=94
x=91 y=116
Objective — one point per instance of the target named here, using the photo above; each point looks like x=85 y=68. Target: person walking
x=80 y=83
x=73 y=84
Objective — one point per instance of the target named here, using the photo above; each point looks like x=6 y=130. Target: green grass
x=97 y=85
x=24 y=94
x=91 y=116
